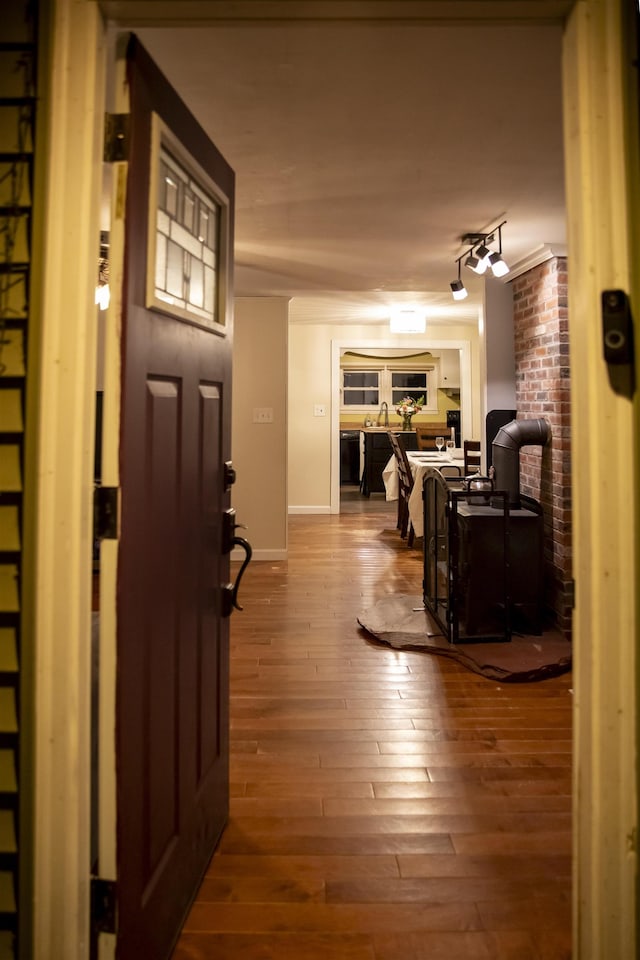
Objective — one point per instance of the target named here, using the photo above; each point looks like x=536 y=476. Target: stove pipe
x=505 y=453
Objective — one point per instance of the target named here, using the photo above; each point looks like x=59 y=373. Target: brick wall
x=542 y=390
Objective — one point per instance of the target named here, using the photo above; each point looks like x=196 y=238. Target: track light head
x=498 y=265
x=483 y=251
x=476 y=262
x=458 y=290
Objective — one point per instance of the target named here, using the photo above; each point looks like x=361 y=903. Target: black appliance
x=453 y=420
x=483 y=552
x=349 y=457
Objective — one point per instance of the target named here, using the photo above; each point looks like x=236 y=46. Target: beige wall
x=259 y=450
x=312 y=443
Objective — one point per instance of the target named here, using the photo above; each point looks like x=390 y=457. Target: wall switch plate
x=263 y=414
x=319 y=410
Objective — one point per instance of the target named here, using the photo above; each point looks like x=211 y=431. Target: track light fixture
x=496 y=262
x=458 y=289
x=479 y=257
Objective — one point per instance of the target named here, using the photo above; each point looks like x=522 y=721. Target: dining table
x=420 y=461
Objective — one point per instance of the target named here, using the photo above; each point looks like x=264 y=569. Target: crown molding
x=546 y=251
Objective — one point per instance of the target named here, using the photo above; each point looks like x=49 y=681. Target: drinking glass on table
x=439 y=443
x=450 y=446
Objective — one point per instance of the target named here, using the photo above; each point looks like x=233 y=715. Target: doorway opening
x=451 y=370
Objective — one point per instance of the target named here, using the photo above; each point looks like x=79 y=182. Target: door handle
x=230 y=590
x=229 y=527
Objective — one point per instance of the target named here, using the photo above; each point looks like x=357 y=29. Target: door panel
x=172 y=640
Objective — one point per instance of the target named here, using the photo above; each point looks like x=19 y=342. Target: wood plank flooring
x=385 y=805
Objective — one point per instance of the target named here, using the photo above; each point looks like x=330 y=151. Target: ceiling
x=368 y=137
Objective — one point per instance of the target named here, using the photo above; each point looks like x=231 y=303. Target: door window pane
x=186 y=265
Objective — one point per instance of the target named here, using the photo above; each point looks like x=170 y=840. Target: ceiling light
x=407 y=321
x=458 y=289
x=479 y=257
x=497 y=264
x=477 y=261
x=496 y=261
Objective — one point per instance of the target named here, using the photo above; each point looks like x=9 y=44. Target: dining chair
x=450 y=471
x=472 y=457
x=425 y=438
x=405 y=486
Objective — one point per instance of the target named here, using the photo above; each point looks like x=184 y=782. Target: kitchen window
x=360 y=388
x=364 y=390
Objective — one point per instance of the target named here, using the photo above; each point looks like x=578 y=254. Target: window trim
x=385 y=371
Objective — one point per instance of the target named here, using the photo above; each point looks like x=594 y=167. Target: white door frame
x=464 y=346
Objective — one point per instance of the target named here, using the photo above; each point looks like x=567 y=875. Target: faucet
x=383 y=406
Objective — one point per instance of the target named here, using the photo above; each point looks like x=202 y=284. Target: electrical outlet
x=319 y=410
x=263 y=414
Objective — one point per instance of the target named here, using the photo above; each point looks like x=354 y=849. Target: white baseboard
x=322 y=509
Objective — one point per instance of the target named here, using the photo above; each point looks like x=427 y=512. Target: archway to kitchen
x=338 y=349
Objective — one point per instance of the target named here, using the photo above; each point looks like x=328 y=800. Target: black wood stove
x=483 y=552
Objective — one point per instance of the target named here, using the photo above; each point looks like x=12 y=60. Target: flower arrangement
x=407 y=408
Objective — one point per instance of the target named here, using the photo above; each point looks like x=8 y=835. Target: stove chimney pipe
x=505 y=453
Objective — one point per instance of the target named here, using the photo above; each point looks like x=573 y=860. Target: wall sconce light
x=102 y=288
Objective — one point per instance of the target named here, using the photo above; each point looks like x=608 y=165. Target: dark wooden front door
x=172 y=637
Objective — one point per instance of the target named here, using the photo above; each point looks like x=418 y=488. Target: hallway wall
x=259 y=449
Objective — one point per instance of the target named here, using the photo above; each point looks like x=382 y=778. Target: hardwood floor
x=385 y=805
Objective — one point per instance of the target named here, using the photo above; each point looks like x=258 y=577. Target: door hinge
x=116 y=137
x=103 y=905
x=105 y=513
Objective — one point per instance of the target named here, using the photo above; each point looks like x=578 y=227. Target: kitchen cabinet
x=450 y=370
x=377 y=450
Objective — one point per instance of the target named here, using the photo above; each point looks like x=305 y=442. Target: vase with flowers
x=407 y=408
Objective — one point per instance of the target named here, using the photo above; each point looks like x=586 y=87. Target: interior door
x=172 y=634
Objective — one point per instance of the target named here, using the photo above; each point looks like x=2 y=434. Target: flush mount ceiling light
x=407 y=320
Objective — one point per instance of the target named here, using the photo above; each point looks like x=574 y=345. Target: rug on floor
x=404 y=624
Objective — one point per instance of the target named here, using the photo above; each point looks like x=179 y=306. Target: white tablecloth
x=418 y=465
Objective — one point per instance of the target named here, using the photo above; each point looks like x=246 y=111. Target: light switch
x=319 y=410
x=263 y=414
